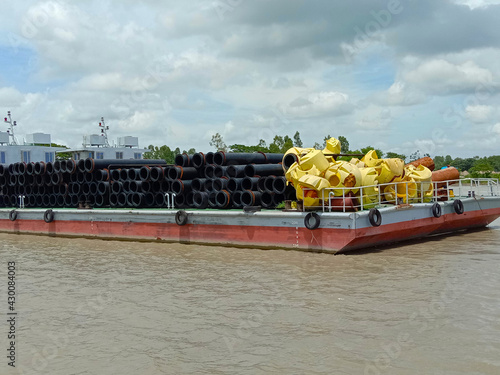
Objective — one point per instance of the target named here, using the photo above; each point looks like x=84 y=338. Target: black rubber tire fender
x=458 y=206
x=13 y=215
x=48 y=216
x=375 y=217
x=312 y=220
x=181 y=217
x=436 y=210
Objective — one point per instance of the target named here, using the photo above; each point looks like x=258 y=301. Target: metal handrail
x=442 y=190
x=170 y=200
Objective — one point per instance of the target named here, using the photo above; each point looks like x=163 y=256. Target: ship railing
x=399 y=193
x=170 y=200
x=466 y=188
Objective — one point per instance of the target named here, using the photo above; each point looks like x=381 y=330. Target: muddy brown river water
x=109 y=307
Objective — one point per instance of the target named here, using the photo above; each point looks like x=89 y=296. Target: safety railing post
x=21 y=201
x=361 y=197
x=170 y=200
x=323 y=199
x=343 y=199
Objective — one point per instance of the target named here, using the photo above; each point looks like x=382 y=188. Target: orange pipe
x=426 y=162
x=450 y=173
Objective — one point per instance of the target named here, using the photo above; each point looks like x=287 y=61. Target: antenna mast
x=104 y=132
x=11 y=123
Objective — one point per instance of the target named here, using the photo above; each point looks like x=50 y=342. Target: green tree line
x=478 y=167
x=166 y=153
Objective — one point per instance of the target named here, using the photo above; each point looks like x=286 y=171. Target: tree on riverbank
x=478 y=167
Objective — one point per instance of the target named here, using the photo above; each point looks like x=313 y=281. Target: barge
x=331 y=228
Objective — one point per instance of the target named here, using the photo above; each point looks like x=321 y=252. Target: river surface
x=129 y=308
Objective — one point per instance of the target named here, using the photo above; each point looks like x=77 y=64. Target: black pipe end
x=198 y=160
x=249 y=170
x=144 y=173
x=288 y=160
x=156 y=174
x=180 y=200
x=177 y=187
x=70 y=166
x=219 y=158
x=174 y=172
x=219 y=171
x=267 y=199
x=198 y=184
x=223 y=199
x=279 y=185
x=209 y=157
x=209 y=171
x=88 y=165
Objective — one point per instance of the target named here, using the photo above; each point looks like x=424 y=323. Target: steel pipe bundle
x=222 y=158
x=87 y=182
x=218 y=180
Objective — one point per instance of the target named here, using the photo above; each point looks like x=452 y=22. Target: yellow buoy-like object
x=371 y=159
x=316 y=176
x=333 y=146
x=350 y=177
x=312 y=159
x=404 y=188
x=370 y=191
x=423 y=177
x=316 y=184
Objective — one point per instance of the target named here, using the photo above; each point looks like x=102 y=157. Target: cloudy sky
x=398 y=75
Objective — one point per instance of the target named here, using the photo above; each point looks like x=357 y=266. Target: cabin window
x=49 y=157
x=26 y=156
x=119 y=155
x=137 y=155
x=2 y=157
x=99 y=155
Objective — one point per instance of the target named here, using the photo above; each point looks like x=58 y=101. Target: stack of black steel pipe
x=235 y=180
x=83 y=183
x=216 y=180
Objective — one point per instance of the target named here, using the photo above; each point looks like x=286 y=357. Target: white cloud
x=479 y=114
x=442 y=77
x=477 y=3
x=400 y=94
x=373 y=118
x=9 y=96
x=175 y=73
x=320 y=104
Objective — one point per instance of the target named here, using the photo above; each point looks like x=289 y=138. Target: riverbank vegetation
x=476 y=166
